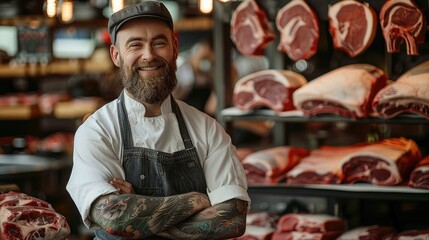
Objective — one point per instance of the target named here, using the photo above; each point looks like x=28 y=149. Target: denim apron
x=156 y=173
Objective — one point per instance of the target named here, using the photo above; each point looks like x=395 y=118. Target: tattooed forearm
x=222 y=221
x=134 y=216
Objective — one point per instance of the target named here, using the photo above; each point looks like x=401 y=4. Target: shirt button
x=142 y=177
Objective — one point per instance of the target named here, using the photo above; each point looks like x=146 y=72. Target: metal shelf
x=344 y=191
x=232 y=113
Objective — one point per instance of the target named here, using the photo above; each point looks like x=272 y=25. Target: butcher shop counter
x=33 y=173
x=16 y=164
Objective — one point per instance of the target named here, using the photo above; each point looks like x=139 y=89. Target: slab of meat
x=250 y=29
x=402 y=20
x=420 y=175
x=347 y=91
x=408 y=94
x=257 y=233
x=311 y=223
x=270 y=165
x=259 y=226
x=412 y=235
x=373 y=232
x=299 y=30
x=385 y=163
x=26 y=217
x=271 y=89
x=352 y=25
x=23 y=222
x=294 y=235
x=21 y=199
x=322 y=166
x=262 y=219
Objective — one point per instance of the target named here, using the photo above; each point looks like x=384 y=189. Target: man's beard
x=153 y=88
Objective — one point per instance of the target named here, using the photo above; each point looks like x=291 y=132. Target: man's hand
x=123 y=186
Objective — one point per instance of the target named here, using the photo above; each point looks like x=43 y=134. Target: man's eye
x=134 y=45
x=159 y=44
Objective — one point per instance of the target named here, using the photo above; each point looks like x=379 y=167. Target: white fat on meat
x=349 y=86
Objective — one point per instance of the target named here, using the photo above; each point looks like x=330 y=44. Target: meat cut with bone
x=23 y=217
x=266 y=166
x=312 y=223
x=408 y=94
x=299 y=30
x=402 y=20
x=352 y=25
x=250 y=29
x=420 y=175
x=271 y=89
x=347 y=91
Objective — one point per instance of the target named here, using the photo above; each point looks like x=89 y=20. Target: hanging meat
x=271 y=89
x=408 y=94
x=402 y=21
x=420 y=176
x=299 y=30
x=250 y=29
x=347 y=91
x=352 y=25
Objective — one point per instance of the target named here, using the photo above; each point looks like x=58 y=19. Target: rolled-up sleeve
x=224 y=172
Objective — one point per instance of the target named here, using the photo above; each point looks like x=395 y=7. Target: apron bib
x=157 y=173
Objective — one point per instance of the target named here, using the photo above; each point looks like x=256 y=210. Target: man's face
x=146 y=53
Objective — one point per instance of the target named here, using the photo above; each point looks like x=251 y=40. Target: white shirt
x=98 y=149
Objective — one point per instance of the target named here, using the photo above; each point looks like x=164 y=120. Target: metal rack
x=226 y=115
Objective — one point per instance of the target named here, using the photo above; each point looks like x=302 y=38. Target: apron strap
x=124 y=123
x=182 y=126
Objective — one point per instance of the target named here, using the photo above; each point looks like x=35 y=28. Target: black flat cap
x=153 y=9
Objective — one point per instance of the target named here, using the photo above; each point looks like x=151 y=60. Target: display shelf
x=233 y=113
x=345 y=191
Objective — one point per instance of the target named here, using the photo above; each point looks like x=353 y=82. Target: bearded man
x=147 y=165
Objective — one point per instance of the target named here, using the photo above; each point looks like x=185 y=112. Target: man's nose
x=147 y=53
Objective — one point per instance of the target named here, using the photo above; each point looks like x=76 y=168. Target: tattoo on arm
x=136 y=216
x=222 y=221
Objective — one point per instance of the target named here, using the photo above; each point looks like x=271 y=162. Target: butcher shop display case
x=322 y=51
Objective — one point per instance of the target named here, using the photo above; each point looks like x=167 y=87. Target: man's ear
x=175 y=47
x=114 y=54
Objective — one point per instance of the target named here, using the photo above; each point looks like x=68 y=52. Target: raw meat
x=408 y=94
x=412 y=235
x=257 y=233
x=373 y=232
x=385 y=163
x=266 y=166
x=311 y=223
x=25 y=217
x=352 y=25
x=320 y=167
x=402 y=20
x=262 y=219
x=347 y=91
x=420 y=175
x=294 y=235
x=271 y=89
x=21 y=199
x=299 y=30
x=250 y=29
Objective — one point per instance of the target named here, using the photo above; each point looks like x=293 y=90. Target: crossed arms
x=184 y=216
